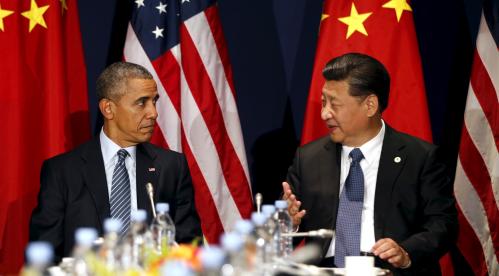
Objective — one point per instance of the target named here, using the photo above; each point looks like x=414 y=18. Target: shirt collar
x=370 y=149
x=110 y=149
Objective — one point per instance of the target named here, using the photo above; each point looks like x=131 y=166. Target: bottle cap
x=162 y=207
x=212 y=257
x=232 y=242
x=39 y=253
x=243 y=227
x=268 y=209
x=112 y=225
x=258 y=219
x=85 y=236
x=139 y=216
x=281 y=204
x=176 y=268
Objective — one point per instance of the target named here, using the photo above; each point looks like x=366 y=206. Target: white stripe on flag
x=483 y=139
x=200 y=32
x=168 y=119
x=473 y=210
x=204 y=151
x=487 y=49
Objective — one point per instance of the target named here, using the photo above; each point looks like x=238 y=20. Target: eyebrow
x=146 y=98
x=329 y=96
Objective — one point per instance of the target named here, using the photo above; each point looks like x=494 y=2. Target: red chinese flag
x=383 y=29
x=44 y=107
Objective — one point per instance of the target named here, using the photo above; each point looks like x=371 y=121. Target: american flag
x=181 y=43
x=477 y=174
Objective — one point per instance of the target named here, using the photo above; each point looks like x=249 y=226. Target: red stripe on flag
x=477 y=173
x=158 y=139
x=210 y=221
x=216 y=29
x=486 y=95
x=168 y=71
x=470 y=245
x=204 y=94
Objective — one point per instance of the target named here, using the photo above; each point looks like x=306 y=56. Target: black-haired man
x=384 y=192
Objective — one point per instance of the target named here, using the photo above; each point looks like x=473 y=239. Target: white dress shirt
x=110 y=155
x=372 y=152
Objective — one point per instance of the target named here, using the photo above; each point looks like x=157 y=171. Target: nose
x=152 y=113
x=326 y=114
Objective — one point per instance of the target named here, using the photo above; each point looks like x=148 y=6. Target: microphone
x=258 y=200
x=321 y=233
x=150 y=192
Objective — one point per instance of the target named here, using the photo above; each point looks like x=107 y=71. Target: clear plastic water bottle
x=246 y=230
x=263 y=239
x=84 y=238
x=39 y=255
x=271 y=228
x=285 y=225
x=212 y=259
x=133 y=248
x=232 y=244
x=163 y=228
x=108 y=251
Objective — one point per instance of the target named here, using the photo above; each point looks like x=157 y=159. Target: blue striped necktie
x=120 y=193
x=348 y=221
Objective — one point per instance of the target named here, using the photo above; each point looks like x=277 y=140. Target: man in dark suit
x=384 y=192
x=107 y=176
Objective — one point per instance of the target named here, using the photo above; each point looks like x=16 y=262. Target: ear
x=372 y=104
x=105 y=107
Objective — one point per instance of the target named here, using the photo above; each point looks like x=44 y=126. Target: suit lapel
x=95 y=179
x=391 y=162
x=147 y=172
x=330 y=181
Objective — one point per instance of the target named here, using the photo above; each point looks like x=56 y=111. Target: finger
x=294 y=207
x=286 y=190
x=396 y=261
x=301 y=214
x=382 y=247
x=298 y=216
x=390 y=253
x=297 y=204
x=380 y=242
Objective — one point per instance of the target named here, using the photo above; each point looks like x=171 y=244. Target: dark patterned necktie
x=350 y=212
x=120 y=193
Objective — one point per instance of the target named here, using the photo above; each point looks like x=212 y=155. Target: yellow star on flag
x=355 y=21
x=3 y=14
x=64 y=6
x=35 y=15
x=324 y=16
x=399 y=6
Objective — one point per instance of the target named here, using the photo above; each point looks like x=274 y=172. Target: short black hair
x=112 y=81
x=364 y=74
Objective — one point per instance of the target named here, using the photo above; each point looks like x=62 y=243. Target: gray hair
x=112 y=81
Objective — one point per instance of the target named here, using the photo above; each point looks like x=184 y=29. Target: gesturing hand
x=293 y=205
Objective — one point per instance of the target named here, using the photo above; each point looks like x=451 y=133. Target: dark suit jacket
x=74 y=193
x=414 y=203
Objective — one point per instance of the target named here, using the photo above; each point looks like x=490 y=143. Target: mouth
x=148 y=128
x=331 y=126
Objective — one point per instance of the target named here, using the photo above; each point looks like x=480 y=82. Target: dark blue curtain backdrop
x=272 y=45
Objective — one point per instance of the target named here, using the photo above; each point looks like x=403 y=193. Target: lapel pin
x=152 y=169
x=397 y=159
